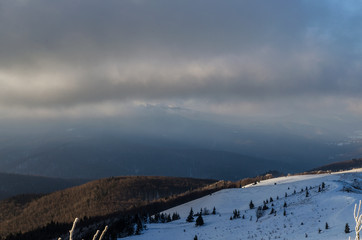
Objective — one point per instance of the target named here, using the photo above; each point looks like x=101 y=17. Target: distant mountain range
x=114 y=156
x=166 y=144
x=341 y=166
x=14 y=184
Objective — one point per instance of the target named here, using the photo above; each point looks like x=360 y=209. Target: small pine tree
x=199 y=220
x=190 y=217
x=272 y=211
x=259 y=213
x=251 y=205
x=295 y=191
x=214 y=211
x=306 y=193
x=271 y=199
x=327 y=226
x=195 y=238
x=168 y=219
x=346 y=228
x=285 y=204
x=284 y=213
x=285 y=195
x=306 y=235
x=175 y=216
x=323 y=185
x=319 y=188
x=319 y=230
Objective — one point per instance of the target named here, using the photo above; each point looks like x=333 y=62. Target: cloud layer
x=236 y=57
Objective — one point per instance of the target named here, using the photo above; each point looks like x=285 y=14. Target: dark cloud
x=63 y=54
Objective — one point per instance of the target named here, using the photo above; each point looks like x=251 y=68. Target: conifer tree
x=214 y=211
x=346 y=228
x=175 y=216
x=195 y=238
x=285 y=204
x=251 y=204
x=272 y=211
x=306 y=193
x=259 y=213
x=327 y=226
x=323 y=185
x=190 y=217
x=199 y=220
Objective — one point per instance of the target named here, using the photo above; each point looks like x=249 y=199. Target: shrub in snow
x=236 y=214
x=71 y=232
x=206 y=211
x=358 y=219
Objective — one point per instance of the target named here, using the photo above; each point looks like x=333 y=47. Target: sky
x=232 y=59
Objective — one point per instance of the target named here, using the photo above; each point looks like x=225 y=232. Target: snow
x=304 y=215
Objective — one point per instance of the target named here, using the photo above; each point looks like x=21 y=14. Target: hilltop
x=305 y=216
x=93 y=199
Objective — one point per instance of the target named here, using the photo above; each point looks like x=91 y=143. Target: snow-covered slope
x=304 y=215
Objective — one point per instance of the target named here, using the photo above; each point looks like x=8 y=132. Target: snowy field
x=304 y=215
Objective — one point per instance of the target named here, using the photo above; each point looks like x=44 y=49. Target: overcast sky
x=255 y=58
